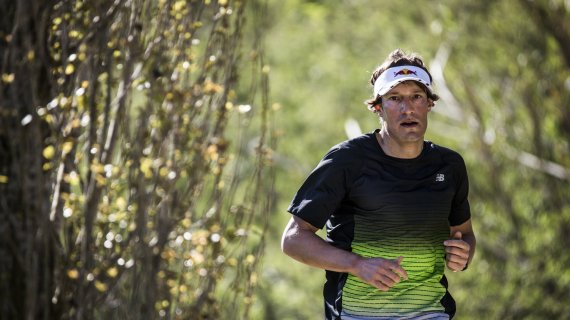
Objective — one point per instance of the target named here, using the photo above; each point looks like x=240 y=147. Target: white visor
x=396 y=75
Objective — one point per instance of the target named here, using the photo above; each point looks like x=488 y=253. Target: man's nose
x=406 y=105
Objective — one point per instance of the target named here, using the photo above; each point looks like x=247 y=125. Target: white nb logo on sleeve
x=439 y=177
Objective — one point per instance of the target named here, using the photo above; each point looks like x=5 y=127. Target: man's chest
x=402 y=189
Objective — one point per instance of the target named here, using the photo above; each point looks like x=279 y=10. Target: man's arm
x=461 y=247
x=301 y=242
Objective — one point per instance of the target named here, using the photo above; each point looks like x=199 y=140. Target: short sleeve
x=460 y=210
x=326 y=186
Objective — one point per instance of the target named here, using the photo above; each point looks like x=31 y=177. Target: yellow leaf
x=49 y=152
x=145 y=167
x=253 y=278
x=215 y=228
x=3 y=179
x=97 y=167
x=121 y=203
x=66 y=147
x=8 y=77
x=212 y=152
x=100 y=286
x=69 y=69
x=112 y=272
x=100 y=180
x=73 y=274
x=75 y=123
x=197 y=257
x=179 y=5
x=212 y=87
x=73 y=178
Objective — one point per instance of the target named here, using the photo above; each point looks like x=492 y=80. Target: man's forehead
x=409 y=85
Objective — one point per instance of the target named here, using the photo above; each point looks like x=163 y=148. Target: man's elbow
x=297 y=235
x=287 y=242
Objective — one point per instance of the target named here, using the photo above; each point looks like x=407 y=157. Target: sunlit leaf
x=100 y=286
x=112 y=272
x=197 y=257
x=48 y=152
x=97 y=167
x=66 y=147
x=179 y=5
x=146 y=167
x=72 y=178
x=121 y=203
x=69 y=69
x=73 y=274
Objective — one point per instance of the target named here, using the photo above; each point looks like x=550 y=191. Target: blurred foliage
x=136 y=164
x=502 y=70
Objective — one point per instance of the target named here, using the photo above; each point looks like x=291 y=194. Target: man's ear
x=377 y=108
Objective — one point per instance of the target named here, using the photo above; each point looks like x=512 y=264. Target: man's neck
x=397 y=149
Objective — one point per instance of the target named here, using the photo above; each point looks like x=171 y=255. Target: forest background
x=149 y=149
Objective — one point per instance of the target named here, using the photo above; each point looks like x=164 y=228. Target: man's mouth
x=409 y=124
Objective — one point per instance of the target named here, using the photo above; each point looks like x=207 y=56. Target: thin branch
x=450 y=107
x=453 y=111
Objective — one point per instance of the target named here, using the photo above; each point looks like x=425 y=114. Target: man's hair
x=395 y=59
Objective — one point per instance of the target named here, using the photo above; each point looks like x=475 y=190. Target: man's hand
x=457 y=252
x=380 y=273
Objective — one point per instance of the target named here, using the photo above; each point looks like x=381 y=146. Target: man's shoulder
x=445 y=153
x=351 y=150
x=358 y=143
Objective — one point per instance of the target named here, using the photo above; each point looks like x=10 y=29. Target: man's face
x=404 y=112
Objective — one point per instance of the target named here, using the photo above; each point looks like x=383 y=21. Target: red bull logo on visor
x=404 y=72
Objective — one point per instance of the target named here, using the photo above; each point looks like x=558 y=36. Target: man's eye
x=394 y=98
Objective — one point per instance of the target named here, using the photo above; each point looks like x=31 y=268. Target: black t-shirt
x=379 y=206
